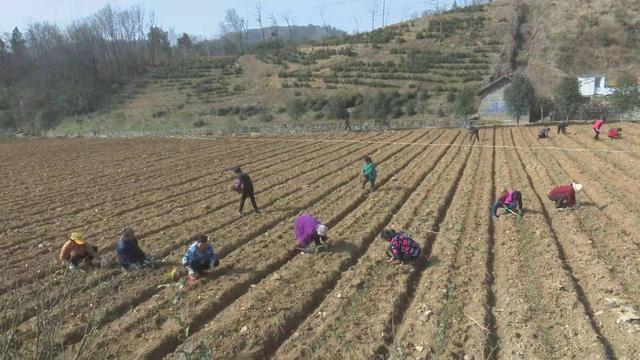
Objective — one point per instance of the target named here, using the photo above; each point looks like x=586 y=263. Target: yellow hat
x=77 y=238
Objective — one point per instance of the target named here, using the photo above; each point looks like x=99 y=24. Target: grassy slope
x=574 y=37
x=562 y=37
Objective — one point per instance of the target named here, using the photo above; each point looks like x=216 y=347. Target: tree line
x=48 y=72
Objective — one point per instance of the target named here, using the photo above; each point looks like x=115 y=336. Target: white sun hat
x=576 y=186
x=321 y=230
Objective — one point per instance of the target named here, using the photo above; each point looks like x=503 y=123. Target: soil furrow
x=226 y=248
x=356 y=231
x=365 y=290
x=591 y=268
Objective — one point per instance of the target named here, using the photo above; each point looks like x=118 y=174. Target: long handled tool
x=506 y=208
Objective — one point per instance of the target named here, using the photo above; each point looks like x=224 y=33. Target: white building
x=594 y=85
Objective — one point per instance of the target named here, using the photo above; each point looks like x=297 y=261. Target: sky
x=201 y=17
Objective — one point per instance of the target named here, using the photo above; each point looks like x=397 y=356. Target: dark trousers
x=474 y=134
x=76 y=259
x=366 y=179
x=563 y=129
x=250 y=195
x=597 y=131
x=561 y=201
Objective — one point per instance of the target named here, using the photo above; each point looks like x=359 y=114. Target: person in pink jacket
x=597 y=125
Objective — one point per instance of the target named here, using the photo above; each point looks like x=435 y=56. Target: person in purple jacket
x=309 y=230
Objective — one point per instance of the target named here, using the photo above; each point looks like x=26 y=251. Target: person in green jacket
x=368 y=173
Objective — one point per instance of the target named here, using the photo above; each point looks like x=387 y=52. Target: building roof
x=501 y=81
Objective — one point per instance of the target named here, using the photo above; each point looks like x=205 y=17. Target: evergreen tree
x=567 y=96
x=519 y=96
x=18 y=44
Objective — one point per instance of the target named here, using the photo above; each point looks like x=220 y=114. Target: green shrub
x=296 y=108
x=199 y=123
x=336 y=108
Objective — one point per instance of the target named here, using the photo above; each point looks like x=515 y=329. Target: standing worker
x=402 y=247
x=473 y=131
x=597 y=125
x=244 y=185
x=77 y=250
x=200 y=259
x=130 y=256
x=615 y=133
x=368 y=173
x=510 y=200
x=308 y=229
x=562 y=127
x=565 y=196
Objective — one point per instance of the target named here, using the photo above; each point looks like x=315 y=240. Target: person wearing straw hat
x=565 y=196
x=199 y=259
x=402 y=248
x=77 y=250
x=309 y=230
x=510 y=201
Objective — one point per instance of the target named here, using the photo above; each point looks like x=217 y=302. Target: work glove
x=70 y=266
x=191 y=272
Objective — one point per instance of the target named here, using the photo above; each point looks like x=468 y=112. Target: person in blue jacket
x=200 y=259
x=130 y=256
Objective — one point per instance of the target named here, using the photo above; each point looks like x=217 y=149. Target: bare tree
x=357 y=26
x=373 y=11
x=274 y=26
x=288 y=20
x=259 y=19
x=436 y=6
x=323 y=9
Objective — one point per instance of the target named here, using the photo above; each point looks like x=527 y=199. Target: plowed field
x=550 y=285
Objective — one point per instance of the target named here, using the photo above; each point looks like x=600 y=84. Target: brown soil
x=550 y=285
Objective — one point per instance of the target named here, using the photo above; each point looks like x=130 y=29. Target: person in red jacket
x=597 y=125
x=615 y=133
x=565 y=196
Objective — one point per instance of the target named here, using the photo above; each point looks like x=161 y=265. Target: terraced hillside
x=549 y=285
x=426 y=61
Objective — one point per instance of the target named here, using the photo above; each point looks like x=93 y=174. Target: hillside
x=580 y=37
x=410 y=72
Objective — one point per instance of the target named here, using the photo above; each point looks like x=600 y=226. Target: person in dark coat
x=473 y=132
x=562 y=127
x=244 y=185
x=543 y=133
x=130 y=256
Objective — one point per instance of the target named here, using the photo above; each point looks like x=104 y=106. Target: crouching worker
x=77 y=251
x=543 y=133
x=368 y=173
x=309 y=230
x=565 y=196
x=615 y=133
x=510 y=201
x=401 y=247
x=130 y=256
x=199 y=258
